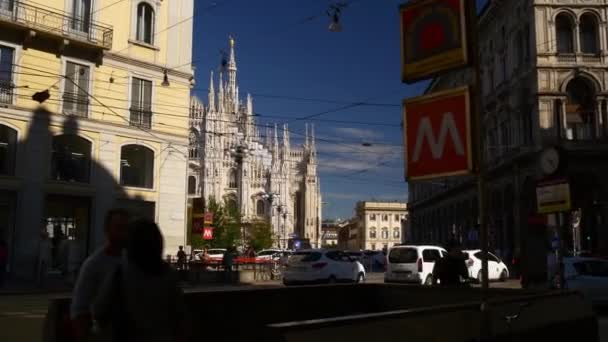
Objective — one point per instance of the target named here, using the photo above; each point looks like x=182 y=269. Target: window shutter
x=69 y=93
x=135 y=101
x=83 y=83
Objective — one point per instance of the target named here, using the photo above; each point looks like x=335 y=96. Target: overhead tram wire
x=110 y=109
x=262 y=115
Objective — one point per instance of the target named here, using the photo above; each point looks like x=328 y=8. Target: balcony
x=141 y=118
x=6 y=93
x=56 y=24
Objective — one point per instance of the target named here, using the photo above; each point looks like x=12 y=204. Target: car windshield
x=306 y=256
x=216 y=251
x=403 y=255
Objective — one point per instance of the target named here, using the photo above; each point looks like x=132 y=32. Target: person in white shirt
x=95 y=269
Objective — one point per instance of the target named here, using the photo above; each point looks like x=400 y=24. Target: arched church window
x=564 y=26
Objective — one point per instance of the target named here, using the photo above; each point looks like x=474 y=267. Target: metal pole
x=478 y=124
x=481 y=173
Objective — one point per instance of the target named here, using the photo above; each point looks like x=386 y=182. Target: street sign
x=208 y=233
x=437 y=135
x=433 y=37
x=553 y=196
x=208 y=218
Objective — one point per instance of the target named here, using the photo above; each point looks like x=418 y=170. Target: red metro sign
x=433 y=37
x=208 y=233
x=437 y=134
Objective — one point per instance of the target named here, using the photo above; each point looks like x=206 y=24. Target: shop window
x=136 y=166
x=71 y=159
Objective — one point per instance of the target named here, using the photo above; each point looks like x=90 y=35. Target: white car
x=269 y=254
x=412 y=264
x=216 y=253
x=322 y=266
x=497 y=270
x=588 y=276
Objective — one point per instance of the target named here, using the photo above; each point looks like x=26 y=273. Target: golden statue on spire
x=231 y=41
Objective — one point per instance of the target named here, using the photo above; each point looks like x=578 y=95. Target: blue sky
x=285 y=49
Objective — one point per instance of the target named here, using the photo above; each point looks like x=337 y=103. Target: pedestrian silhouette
x=141 y=299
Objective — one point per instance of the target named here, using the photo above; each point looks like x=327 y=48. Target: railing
x=76 y=104
x=590 y=58
x=566 y=58
x=141 y=118
x=45 y=20
x=6 y=93
x=581 y=58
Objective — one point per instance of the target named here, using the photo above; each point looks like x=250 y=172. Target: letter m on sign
x=437 y=135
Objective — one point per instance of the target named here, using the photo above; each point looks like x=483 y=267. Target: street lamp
x=280 y=209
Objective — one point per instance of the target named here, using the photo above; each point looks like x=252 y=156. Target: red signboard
x=208 y=233
x=437 y=134
x=209 y=218
x=433 y=37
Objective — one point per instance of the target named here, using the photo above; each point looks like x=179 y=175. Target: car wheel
x=286 y=282
x=331 y=280
x=428 y=281
x=360 y=278
x=503 y=275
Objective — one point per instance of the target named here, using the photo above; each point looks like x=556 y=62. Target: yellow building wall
x=38 y=70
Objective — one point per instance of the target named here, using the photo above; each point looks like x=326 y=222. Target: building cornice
x=143 y=64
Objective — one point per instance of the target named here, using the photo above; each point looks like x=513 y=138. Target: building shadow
x=62 y=183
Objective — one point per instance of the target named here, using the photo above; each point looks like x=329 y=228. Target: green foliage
x=226 y=223
x=260 y=235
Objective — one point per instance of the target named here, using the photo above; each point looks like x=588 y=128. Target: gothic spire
x=286 y=147
x=306 y=140
x=312 y=137
x=268 y=136
x=276 y=138
x=249 y=104
x=220 y=95
x=232 y=70
x=211 y=93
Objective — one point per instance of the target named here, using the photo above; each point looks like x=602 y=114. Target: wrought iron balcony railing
x=141 y=118
x=6 y=93
x=56 y=23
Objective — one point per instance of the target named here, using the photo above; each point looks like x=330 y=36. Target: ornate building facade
x=543 y=70
x=232 y=162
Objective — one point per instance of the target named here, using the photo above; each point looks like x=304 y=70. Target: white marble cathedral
x=263 y=175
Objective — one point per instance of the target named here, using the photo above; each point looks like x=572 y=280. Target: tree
x=226 y=224
x=260 y=235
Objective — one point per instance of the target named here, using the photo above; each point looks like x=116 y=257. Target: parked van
x=412 y=264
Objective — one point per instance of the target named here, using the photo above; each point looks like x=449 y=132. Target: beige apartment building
x=377 y=225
